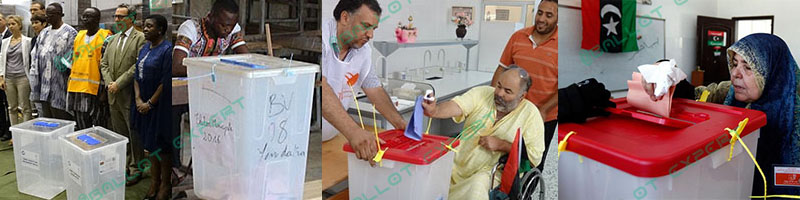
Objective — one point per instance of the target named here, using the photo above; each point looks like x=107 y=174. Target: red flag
x=511 y=169
x=609 y=25
x=590 y=14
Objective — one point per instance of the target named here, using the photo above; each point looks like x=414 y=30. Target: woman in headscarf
x=764 y=77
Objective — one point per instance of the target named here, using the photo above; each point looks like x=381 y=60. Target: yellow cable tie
x=449 y=147
x=741 y=125
x=379 y=156
x=562 y=145
x=777 y=196
x=358 y=108
x=704 y=96
x=375 y=129
x=735 y=135
x=429 y=125
x=732 y=142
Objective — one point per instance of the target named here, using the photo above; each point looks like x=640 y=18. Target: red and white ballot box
x=410 y=169
x=635 y=155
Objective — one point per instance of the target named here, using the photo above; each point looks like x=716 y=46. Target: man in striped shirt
x=49 y=67
x=535 y=49
x=216 y=34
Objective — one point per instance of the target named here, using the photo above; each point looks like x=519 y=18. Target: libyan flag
x=512 y=167
x=609 y=25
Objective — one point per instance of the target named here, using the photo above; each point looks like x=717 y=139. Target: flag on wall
x=609 y=25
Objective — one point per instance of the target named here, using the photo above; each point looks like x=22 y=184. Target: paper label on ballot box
x=787 y=176
x=74 y=171
x=30 y=159
x=216 y=139
x=108 y=164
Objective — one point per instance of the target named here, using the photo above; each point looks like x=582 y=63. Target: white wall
x=681 y=26
x=785 y=12
x=494 y=37
x=490 y=52
x=154 y=4
x=681 y=22
x=106 y=4
x=432 y=19
x=22 y=8
x=70 y=9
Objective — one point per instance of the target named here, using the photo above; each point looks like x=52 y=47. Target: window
x=749 y=25
x=503 y=13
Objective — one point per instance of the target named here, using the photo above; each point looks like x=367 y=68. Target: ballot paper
x=665 y=75
x=414 y=127
x=638 y=98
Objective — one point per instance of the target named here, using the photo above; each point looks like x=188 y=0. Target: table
x=180 y=92
x=312 y=190
x=334 y=162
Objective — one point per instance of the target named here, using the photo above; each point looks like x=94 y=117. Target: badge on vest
x=787 y=175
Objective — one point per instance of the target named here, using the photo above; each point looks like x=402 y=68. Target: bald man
x=493 y=115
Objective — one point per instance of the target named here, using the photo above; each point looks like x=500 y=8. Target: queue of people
x=92 y=76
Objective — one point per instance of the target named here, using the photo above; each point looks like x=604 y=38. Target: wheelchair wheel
x=534 y=187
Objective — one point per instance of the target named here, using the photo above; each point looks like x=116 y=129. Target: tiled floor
x=551 y=169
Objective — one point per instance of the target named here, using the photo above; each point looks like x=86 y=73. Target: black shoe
x=5 y=137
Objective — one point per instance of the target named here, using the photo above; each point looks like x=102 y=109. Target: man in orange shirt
x=535 y=49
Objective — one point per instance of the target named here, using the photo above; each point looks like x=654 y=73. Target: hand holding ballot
x=659 y=77
x=429 y=104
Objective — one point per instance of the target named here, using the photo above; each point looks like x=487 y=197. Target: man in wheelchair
x=492 y=116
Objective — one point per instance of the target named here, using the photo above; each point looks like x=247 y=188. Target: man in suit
x=4 y=30
x=117 y=68
x=37 y=8
x=5 y=134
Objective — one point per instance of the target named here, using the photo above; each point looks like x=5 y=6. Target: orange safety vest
x=85 y=75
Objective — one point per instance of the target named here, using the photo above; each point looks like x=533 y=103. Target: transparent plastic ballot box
x=409 y=170
x=250 y=124
x=94 y=164
x=37 y=156
x=632 y=154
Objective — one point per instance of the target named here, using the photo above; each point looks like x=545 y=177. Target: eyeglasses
x=120 y=16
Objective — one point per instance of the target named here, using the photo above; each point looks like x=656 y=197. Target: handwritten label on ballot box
x=252 y=126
